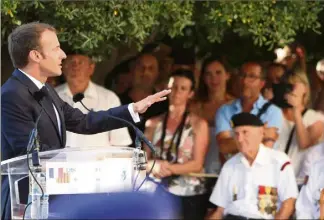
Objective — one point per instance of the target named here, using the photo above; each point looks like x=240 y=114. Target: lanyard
x=178 y=132
x=287 y=148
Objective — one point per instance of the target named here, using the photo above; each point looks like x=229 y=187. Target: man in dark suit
x=36 y=54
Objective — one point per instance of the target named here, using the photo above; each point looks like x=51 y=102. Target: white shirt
x=96 y=98
x=39 y=85
x=295 y=153
x=271 y=168
x=312 y=155
x=307 y=205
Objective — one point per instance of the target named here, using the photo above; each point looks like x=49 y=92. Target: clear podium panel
x=76 y=171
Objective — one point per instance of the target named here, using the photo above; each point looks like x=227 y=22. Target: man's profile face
x=78 y=69
x=51 y=54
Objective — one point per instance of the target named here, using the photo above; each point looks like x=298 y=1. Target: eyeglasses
x=250 y=77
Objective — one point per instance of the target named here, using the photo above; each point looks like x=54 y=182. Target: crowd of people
x=193 y=130
x=233 y=143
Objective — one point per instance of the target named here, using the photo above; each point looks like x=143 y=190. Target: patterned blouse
x=179 y=185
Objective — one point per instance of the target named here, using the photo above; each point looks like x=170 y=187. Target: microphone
x=139 y=134
x=34 y=137
x=38 y=209
x=33 y=143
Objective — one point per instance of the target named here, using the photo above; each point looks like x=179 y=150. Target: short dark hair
x=263 y=72
x=187 y=74
x=141 y=55
x=23 y=39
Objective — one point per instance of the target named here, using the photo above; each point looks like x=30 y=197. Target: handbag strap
x=263 y=109
x=287 y=148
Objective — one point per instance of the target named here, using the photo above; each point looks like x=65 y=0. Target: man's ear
x=92 y=68
x=35 y=56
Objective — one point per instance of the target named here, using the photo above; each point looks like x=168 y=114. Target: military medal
x=268 y=208
x=261 y=198
x=268 y=197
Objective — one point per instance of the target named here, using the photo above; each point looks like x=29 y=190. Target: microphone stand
x=139 y=133
x=35 y=171
x=140 y=157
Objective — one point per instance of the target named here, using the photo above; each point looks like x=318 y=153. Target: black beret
x=246 y=119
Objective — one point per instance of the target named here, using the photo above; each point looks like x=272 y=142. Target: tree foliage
x=97 y=27
x=268 y=22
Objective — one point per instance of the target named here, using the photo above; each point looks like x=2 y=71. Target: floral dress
x=181 y=185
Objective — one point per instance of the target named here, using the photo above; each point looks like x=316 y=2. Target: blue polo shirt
x=273 y=115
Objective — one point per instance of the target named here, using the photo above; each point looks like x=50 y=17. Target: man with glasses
x=252 y=80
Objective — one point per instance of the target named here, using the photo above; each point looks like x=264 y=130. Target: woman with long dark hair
x=211 y=94
x=181 y=141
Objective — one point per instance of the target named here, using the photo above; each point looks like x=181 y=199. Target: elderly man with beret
x=258 y=182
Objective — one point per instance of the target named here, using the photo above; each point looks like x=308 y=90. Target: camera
x=279 y=92
x=281 y=89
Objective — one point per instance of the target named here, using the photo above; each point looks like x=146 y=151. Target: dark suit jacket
x=19 y=111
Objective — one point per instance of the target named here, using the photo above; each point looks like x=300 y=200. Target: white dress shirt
x=295 y=153
x=96 y=98
x=238 y=186
x=315 y=153
x=39 y=85
x=307 y=205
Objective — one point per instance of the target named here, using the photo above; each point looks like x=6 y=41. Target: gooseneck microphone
x=37 y=210
x=33 y=143
x=78 y=98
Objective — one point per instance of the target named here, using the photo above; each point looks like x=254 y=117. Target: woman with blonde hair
x=303 y=127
